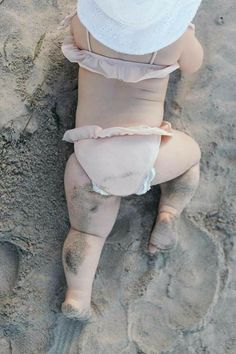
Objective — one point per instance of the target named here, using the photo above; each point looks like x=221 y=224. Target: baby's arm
x=192 y=54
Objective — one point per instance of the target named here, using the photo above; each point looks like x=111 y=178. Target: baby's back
x=112 y=102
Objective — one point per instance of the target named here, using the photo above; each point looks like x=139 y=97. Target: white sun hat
x=137 y=26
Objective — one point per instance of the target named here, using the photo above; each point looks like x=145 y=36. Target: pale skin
x=107 y=103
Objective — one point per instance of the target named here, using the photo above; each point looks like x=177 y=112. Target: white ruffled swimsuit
x=118 y=160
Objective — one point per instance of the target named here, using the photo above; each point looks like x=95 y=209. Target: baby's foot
x=77 y=309
x=164 y=235
x=73 y=310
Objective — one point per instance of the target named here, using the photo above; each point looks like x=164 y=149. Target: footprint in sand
x=177 y=297
x=183 y=296
x=65 y=336
x=9 y=265
x=5 y=346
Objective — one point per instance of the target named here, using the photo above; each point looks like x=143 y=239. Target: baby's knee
x=193 y=149
x=196 y=152
x=91 y=212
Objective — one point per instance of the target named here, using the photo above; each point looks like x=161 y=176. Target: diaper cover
x=118 y=160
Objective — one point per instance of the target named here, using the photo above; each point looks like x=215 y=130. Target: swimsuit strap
x=90 y=47
x=153 y=57
x=88 y=40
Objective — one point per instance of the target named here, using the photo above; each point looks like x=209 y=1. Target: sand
x=182 y=302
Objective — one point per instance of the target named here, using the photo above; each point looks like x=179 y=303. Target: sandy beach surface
x=183 y=302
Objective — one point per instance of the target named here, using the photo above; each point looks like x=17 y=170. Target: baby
x=122 y=145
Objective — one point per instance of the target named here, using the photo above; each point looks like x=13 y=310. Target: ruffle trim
x=114 y=68
x=143 y=189
x=95 y=132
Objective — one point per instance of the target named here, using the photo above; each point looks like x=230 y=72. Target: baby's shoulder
x=189 y=33
x=171 y=53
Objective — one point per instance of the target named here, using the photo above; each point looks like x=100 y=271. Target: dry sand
x=181 y=303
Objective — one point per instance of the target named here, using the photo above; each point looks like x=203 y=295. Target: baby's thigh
x=89 y=212
x=177 y=155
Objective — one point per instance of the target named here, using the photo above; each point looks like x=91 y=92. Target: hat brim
x=124 y=39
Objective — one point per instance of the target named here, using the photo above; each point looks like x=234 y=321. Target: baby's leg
x=92 y=217
x=177 y=172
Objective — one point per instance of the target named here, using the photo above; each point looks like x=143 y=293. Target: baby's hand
x=165 y=126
